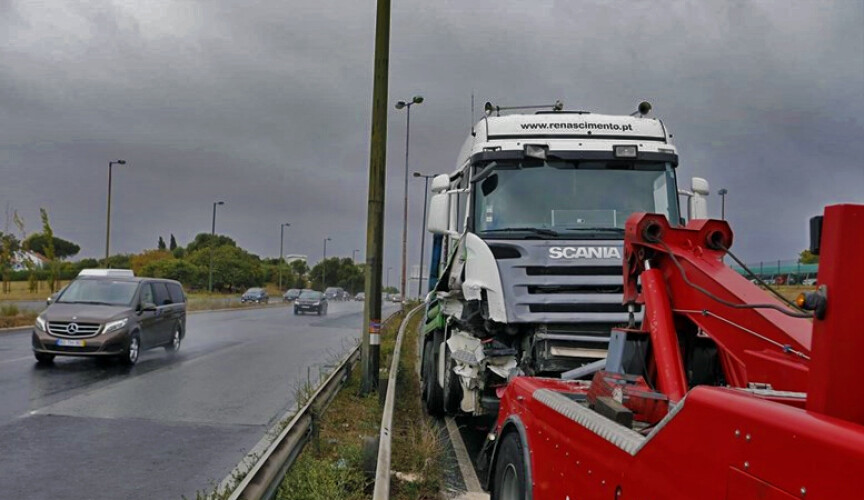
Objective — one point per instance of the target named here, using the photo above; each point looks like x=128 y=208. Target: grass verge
x=332 y=465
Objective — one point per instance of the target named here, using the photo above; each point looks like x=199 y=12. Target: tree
x=9 y=244
x=203 y=240
x=49 y=249
x=807 y=257
x=192 y=276
x=63 y=249
x=173 y=244
x=161 y=244
x=233 y=267
x=341 y=272
x=137 y=262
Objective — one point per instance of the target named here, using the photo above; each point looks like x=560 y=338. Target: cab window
x=147 y=294
x=161 y=293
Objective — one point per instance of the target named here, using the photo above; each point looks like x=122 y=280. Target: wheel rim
x=175 y=341
x=133 y=349
x=510 y=483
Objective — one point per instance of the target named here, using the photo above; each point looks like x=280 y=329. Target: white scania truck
x=526 y=259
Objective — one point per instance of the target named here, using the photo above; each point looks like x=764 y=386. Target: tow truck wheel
x=510 y=476
x=434 y=394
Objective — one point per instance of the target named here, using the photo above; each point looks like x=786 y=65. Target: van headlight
x=112 y=326
x=41 y=324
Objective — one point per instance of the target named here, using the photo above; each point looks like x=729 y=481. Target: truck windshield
x=569 y=200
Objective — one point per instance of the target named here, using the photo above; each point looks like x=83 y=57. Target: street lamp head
x=220 y=203
x=400 y=104
x=120 y=162
x=417 y=99
x=286 y=223
x=328 y=239
x=722 y=192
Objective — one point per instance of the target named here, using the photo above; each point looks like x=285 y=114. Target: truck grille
x=578 y=308
x=65 y=329
x=574 y=271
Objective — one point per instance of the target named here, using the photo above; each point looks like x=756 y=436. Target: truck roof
x=566 y=131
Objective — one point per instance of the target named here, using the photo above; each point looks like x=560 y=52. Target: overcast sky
x=266 y=105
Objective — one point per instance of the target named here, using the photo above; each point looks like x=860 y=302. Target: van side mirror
x=147 y=306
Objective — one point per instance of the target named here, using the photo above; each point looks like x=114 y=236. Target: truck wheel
x=452 y=387
x=425 y=368
x=434 y=393
x=510 y=476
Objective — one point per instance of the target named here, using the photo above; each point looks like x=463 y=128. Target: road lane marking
x=15 y=359
x=472 y=483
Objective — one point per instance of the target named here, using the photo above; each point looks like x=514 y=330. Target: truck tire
x=452 y=387
x=510 y=481
x=425 y=368
x=434 y=394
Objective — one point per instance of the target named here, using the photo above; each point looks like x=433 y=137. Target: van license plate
x=70 y=343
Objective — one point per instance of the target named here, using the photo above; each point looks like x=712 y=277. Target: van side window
x=176 y=293
x=147 y=294
x=161 y=292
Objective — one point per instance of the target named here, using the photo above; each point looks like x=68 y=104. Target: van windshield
x=106 y=292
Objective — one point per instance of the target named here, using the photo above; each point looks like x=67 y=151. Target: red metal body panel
x=838 y=339
x=717 y=443
x=695 y=454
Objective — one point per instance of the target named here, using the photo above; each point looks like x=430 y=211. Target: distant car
x=291 y=295
x=809 y=282
x=311 y=301
x=111 y=316
x=360 y=297
x=335 y=293
x=396 y=298
x=256 y=295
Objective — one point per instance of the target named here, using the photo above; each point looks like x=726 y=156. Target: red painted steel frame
x=718 y=443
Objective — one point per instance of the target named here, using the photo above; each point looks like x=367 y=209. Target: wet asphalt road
x=171 y=425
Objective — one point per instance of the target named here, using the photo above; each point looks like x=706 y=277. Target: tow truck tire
x=452 y=388
x=510 y=472
x=434 y=394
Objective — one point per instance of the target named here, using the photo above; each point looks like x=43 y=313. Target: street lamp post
x=324 y=266
x=212 y=241
x=388 y=277
x=353 y=255
x=108 y=219
x=282 y=250
x=407 y=107
x=422 y=230
x=722 y=194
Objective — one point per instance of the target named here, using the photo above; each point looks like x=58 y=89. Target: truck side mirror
x=439 y=214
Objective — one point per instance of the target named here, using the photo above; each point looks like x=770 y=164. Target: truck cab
x=527 y=254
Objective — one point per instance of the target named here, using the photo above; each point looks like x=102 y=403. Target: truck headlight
x=112 y=326
x=41 y=324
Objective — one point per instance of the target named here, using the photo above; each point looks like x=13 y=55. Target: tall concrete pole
x=108 y=219
x=212 y=242
x=370 y=351
x=426 y=178
x=403 y=289
x=282 y=251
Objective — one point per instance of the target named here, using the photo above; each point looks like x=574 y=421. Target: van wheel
x=176 y=338
x=434 y=393
x=130 y=354
x=44 y=359
x=510 y=480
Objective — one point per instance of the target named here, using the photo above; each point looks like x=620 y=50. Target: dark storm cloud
x=266 y=105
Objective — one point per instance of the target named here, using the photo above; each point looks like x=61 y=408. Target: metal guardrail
x=382 y=470
x=263 y=479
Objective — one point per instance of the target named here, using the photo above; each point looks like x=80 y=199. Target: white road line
x=13 y=360
x=472 y=483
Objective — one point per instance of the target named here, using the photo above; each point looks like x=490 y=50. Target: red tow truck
x=724 y=392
